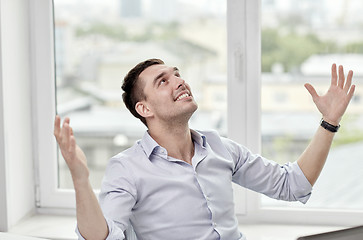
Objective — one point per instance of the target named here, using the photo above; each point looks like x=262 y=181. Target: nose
x=179 y=82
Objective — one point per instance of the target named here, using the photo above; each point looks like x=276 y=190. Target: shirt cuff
x=301 y=186
x=114 y=232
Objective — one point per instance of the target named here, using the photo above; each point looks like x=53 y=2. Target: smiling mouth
x=184 y=95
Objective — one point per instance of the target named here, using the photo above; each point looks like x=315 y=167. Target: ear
x=142 y=109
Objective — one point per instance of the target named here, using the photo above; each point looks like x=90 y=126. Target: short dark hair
x=133 y=91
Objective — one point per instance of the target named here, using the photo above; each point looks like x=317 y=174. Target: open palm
x=334 y=102
x=71 y=152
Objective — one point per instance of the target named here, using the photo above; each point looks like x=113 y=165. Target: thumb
x=311 y=90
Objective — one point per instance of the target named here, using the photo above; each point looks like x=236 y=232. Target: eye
x=162 y=81
x=177 y=74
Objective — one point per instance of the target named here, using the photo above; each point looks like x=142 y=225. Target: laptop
x=354 y=233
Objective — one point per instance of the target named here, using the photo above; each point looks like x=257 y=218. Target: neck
x=177 y=140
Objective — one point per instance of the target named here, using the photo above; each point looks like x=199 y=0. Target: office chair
x=354 y=233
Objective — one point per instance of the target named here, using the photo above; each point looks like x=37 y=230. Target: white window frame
x=244 y=111
x=48 y=195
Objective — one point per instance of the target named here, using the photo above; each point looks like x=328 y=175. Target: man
x=175 y=183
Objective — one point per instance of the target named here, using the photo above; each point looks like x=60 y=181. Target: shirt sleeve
x=117 y=198
x=115 y=233
x=284 y=182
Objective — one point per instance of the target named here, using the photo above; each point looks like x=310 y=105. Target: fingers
x=334 y=76
x=63 y=134
x=66 y=120
x=56 y=126
x=341 y=80
x=349 y=81
x=65 y=139
x=312 y=91
x=351 y=92
x=341 y=77
x=72 y=145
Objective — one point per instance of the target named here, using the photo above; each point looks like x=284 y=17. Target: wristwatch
x=328 y=126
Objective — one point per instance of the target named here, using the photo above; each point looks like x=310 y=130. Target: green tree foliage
x=151 y=31
x=356 y=47
x=112 y=31
x=348 y=134
x=290 y=49
x=284 y=45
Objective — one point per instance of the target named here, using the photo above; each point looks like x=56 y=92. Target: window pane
x=300 y=41
x=96 y=48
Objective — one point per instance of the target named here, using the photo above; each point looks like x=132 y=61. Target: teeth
x=182 y=96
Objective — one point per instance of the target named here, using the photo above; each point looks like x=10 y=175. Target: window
x=246 y=115
x=300 y=41
x=93 y=50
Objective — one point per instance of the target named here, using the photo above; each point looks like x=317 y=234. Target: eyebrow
x=175 y=69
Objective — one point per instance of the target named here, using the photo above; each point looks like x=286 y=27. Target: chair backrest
x=354 y=233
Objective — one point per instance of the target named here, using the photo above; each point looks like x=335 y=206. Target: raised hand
x=72 y=153
x=333 y=104
x=90 y=220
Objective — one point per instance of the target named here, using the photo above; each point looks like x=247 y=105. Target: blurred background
x=97 y=42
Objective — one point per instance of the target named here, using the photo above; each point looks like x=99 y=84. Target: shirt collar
x=198 y=138
x=149 y=144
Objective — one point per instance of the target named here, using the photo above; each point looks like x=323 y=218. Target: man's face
x=168 y=96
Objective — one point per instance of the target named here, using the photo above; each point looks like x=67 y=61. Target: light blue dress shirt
x=166 y=198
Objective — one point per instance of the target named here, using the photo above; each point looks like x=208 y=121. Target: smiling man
x=176 y=183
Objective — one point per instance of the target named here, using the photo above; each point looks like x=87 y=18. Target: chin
x=194 y=108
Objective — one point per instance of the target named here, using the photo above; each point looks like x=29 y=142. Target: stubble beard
x=182 y=118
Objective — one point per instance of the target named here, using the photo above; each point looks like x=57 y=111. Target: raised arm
x=90 y=219
x=332 y=106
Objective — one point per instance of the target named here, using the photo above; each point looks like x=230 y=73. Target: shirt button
x=214 y=224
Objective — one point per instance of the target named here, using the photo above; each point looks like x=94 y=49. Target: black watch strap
x=328 y=126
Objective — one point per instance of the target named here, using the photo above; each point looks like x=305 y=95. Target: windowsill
x=47 y=226
x=62 y=227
